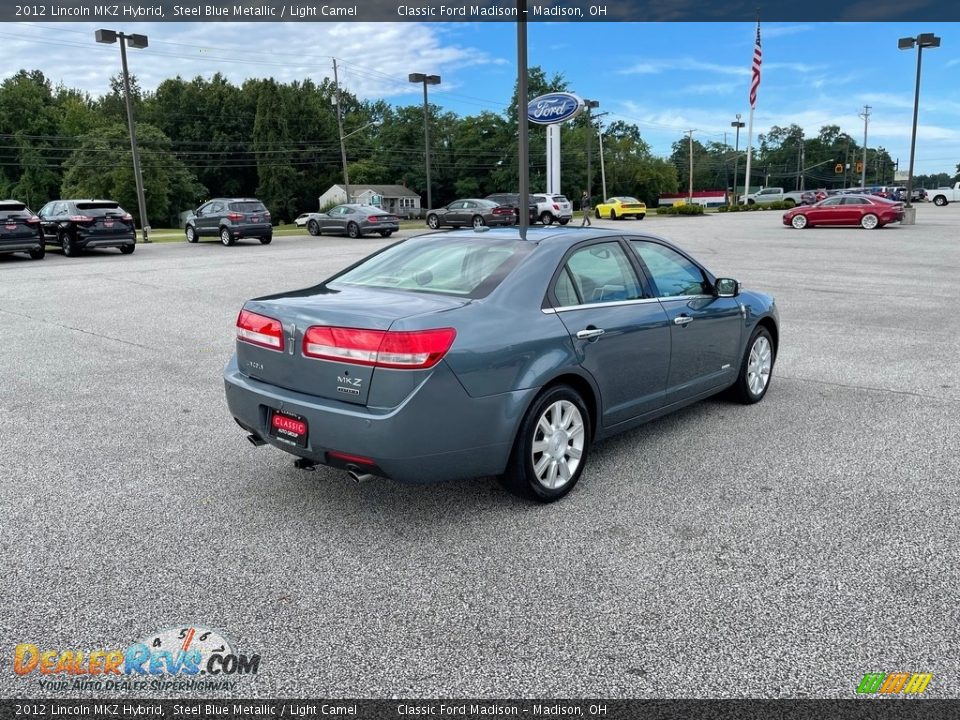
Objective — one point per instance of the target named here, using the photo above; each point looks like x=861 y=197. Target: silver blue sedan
x=353 y=220
x=458 y=355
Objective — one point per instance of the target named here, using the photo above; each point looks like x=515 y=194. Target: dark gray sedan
x=353 y=221
x=457 y=355
x=475 y=212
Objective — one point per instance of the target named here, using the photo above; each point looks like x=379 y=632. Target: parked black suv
x=78 y=225
x=20 y=230
x=230 y=219
x=513 y=200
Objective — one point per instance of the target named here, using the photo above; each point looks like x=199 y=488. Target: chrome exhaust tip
x=256 y=440
x=357 y=476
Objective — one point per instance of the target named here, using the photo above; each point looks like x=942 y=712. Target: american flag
x=757 y=61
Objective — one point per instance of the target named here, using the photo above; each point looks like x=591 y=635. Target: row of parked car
x=72 y=225
x=894 y=193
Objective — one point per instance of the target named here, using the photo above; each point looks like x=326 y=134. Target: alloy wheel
x=759 y=365
x=558 y=444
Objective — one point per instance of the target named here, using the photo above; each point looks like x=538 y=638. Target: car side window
x=469 y=205
x=601 y=273
x=854 y=201
x=831 y=201
x=565 y=291
x=203 y=209
x=45 y=210
x=672 y=273
x=455 y=205
x=59 y=209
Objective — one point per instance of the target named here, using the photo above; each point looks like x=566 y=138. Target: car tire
x=66 y=243
x=38 y=253
x=799 y=221
x=870 y=222
x=538 y=462
x=225 y=237
x=386 y=233
x=756 y=368
x=790 y=203
x=478 y=221
x=313 y=227
x=563 y=221
x=613 y=214
x=128 y=249
x=433 y=222
x=546 y=218
x=191 y=232
x=939 y=201
x=266 y=240
x=353 y=230
x=596 y=214
x=641 y=217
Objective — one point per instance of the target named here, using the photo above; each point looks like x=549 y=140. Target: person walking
x=585 y=205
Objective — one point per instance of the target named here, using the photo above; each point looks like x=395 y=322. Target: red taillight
x=34 y=220
x=81 y=218
x=372 y=218
x=348 y=458
x=127 y=218
x=259 y=330
x=556 y=207
x=266 y=213
x=235 y=216
x=414 y=350
x=503 y=211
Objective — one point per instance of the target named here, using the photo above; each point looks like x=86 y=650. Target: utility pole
x=590 y=105
x=523 y=124
x=800 y=164
x=690 y=152
x=846 y=163
x=343 y=147
x=866 y=121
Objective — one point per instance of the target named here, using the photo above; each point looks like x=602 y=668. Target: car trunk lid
x=344 y=306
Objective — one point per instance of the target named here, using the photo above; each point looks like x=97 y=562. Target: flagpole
x=746 y=180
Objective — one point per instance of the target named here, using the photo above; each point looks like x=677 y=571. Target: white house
x=396 y=199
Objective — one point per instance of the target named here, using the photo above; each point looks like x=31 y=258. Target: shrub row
x=680 y=210
x=778 y=205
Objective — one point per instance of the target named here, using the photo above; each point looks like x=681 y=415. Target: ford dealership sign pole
x=522 y=138
x=551 y=110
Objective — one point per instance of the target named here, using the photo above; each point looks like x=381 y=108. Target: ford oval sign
x=553 y=108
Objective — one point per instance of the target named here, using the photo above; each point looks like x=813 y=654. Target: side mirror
x=726 y=287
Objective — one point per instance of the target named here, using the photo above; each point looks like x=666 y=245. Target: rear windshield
x=97 y=205
x=560 y=198
x=445 y=265
x=8 y=207
x=247 y=207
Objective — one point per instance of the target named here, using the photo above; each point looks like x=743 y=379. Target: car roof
x=538 y=235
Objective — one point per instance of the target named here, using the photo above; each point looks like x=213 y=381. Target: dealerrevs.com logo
x=178 y=659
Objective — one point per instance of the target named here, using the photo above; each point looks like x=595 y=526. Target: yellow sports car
x=620 y=207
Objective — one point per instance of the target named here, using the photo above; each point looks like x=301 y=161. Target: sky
x=666 y=78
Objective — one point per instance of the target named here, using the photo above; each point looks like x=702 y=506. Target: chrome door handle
x=682 y=320
x=589 y=334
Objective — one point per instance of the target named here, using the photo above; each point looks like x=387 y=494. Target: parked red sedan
x=867 y=211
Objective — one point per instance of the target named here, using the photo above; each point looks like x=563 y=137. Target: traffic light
x=838 y=168
x=859 y=167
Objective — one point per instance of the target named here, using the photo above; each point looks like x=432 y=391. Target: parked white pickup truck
x=944 y=195
x=772 y=194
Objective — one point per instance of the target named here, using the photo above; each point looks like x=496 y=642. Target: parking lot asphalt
x=778 y=550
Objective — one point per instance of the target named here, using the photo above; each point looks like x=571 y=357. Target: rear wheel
x=551 y=447
x=546 y=218
x=225 y=237
x=267 y=239
x=353 y=230
x=939 y=201
x=799 y=221
x=596 y=214
x=313 y=227
x=433 y=222
x=128 y=249
x=386 y=233
x=38 y=253
x=613 y=214
x=790 y=202
x=191 y=233
x=66 y=243
x=564 y=221
x=869 y=221
x=756 y=369
x=478 y=221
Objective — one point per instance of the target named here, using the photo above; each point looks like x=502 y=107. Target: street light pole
x=426 y=80
x=736 y=159
x=590 y=105
x=603 y=171
x=922 y=40
x=108 y=37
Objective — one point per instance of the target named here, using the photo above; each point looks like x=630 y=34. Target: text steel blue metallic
x=455 y=355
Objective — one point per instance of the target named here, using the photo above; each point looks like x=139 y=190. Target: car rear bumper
x=84 y=240
x=258 y=230
x=20 y=244
x=381 y=227
x=438 y=433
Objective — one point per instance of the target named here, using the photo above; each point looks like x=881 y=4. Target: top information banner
x=476 y=11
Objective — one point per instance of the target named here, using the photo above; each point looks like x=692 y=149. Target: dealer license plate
x=289 y=428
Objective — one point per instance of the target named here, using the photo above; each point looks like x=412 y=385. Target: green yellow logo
x=894 y=683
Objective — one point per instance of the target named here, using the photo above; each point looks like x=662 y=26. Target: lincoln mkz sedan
x=867 y=211
x=454 y=355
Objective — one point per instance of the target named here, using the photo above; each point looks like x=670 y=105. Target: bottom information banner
x=413 y=709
